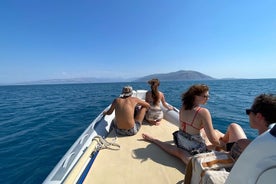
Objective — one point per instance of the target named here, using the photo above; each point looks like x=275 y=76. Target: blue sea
x=39 y=123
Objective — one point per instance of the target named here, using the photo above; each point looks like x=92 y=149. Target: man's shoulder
x=133 y=98
x=127 y=98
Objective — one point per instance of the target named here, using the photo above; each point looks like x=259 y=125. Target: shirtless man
x=125 y=122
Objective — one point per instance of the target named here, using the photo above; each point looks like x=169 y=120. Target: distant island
x=181 y=75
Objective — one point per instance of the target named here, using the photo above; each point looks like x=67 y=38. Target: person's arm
x=111 y=109
x=208 y=127
x=164 y=102
x=143 y=103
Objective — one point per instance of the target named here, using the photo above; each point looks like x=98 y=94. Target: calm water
x=40 y=122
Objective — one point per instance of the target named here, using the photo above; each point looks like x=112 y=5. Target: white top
x=257 y=164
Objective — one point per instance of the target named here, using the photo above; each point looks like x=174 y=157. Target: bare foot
x=155 y=122
x=147 y=137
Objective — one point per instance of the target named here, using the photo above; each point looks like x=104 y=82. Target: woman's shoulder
x=203 y=111
x=161 y=94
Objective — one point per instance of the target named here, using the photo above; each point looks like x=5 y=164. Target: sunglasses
x=248 y=111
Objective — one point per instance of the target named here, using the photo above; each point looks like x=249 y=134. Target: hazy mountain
x=75 y=81
x=181 y=75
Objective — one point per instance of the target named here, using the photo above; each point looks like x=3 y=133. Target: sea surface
x=39 y=123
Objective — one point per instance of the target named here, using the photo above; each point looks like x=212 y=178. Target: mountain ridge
x=181 y=75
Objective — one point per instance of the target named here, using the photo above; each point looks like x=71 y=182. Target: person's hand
x=170 y=107
x=222 y=144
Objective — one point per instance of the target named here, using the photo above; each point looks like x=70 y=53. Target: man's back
x=124 y=106
x=124 y=112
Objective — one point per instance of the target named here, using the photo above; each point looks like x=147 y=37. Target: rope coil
x=104 y=144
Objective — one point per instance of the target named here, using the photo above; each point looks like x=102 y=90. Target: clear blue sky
x=61 y=39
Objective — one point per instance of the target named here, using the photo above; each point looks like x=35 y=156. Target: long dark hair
x=188 y=97
x=154 y=83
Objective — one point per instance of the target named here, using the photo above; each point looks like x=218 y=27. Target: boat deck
x=138 y=161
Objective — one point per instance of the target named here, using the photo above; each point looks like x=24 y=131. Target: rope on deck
x=104 y=144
